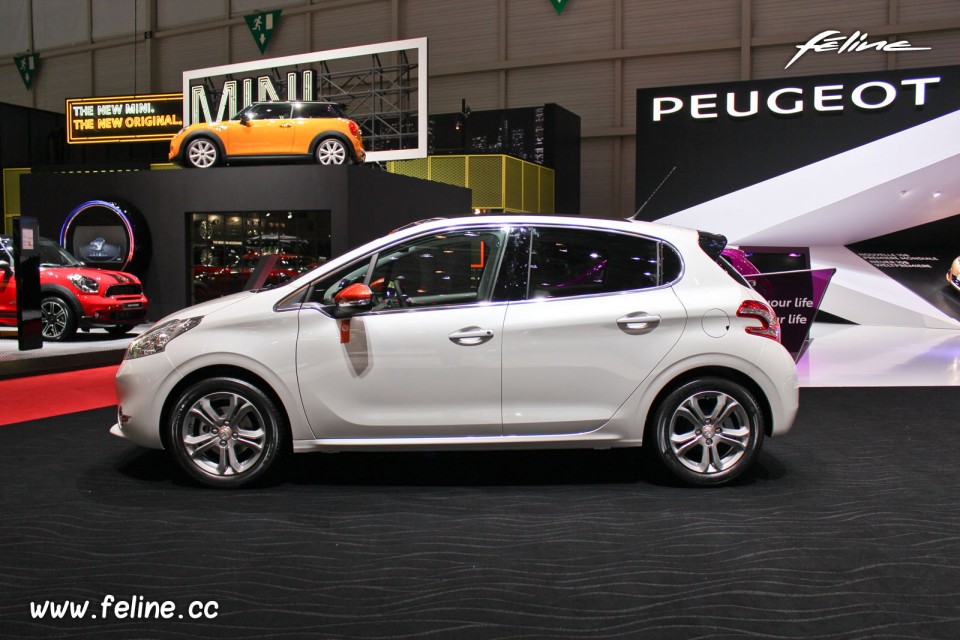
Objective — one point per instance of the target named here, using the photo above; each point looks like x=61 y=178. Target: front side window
x=451 y=268
x=573 y=262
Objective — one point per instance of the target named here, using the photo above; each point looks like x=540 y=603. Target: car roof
x=670 y=233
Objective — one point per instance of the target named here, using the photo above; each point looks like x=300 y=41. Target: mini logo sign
x=261 y=27
x=27 y=66
x=832 y=40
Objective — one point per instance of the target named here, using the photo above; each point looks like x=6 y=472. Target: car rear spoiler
x=712 y=244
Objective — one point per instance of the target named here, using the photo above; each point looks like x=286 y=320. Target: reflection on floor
x=860 y=356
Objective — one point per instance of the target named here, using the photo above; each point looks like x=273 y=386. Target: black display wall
x=708 y=153
x=547 y=135
x=364 y=203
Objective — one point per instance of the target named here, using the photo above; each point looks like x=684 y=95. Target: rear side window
x=314 y=110
x=574 y=262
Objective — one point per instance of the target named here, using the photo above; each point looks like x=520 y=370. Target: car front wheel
x=225 y=432
x=202 y=153
x=58 y=318
x=331 y=151
x=708 y=431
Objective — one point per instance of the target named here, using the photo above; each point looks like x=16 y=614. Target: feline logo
x=832 y=40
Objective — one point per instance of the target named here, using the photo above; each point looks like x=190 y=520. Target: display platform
x=844 y=355
x=86 y=350
x=335 y=208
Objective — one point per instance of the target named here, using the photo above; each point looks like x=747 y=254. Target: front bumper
x=143 y=384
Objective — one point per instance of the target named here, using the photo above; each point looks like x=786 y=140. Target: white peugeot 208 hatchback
x=481 y=332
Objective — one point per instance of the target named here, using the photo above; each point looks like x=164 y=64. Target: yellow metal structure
x=499 y=183
x=11 y=196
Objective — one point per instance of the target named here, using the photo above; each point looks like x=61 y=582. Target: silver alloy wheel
x=55 y=315
x=223 y=433
x=709 y=432
x=202 y=153
x=331 y=151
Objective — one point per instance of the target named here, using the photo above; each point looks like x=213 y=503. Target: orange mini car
x=272 y=131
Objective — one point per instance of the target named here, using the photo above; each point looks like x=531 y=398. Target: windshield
x=51 y=255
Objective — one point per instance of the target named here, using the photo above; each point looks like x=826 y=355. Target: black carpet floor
x=848 y=528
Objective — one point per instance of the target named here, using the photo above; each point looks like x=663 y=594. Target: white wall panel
x=778 y=17
x=14 y=27
x=585 y=88
x=117 y=18
x=480 y=90
x=177 y=13
x=670 y=23
x=534 y=29
x=12 y=90
x=61 y=78
x=596 y=178
x=59 y=23
x=944 y=50
x=769 y=62
x=371 y=24
x=288 y=38
x=666 y=71
x=246 y=7
x=628 y=172
x=187 y=52
x=928 y=10
x=458 y=32
x=114 y=73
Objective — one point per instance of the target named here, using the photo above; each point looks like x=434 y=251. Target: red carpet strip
x=37 y=397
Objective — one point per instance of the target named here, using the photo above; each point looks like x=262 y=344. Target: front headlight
x=156 y=339
x=83 y=283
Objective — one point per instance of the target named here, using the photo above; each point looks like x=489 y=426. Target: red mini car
x=73 y=296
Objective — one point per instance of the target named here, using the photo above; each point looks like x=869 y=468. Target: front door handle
x=639 y=322
x=286 y=125
x=471 y=336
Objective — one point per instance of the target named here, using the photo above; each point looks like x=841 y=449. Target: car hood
x=103 y=276
x=209 y=307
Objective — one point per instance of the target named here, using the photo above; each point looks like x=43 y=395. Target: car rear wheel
x=708 y=431
x=58 y=318
x=225 y=432
x=331 y=151
x=202 y=153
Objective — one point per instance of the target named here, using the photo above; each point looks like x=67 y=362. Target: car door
x=595 y=319
x=8 y=291
x=267 y=131
x=425 y=361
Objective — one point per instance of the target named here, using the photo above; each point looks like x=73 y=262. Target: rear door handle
x=639 y=322
x=471 y=336
x=286 y=125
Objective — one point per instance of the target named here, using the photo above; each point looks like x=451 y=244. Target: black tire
x=59 y=319
x=331 y=151
x=201 y=153
x=119 y=330
x=708 y=431
x=226 y=432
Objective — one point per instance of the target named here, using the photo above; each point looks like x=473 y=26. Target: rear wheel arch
x=727 y=373
x=340 y=137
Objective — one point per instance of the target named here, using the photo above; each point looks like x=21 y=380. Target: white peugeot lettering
x=776 y=108
x=826 y=98
x=659 y=110
x=752 y=111
x=701 y=102
x=821 y=97
x=890 y=94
